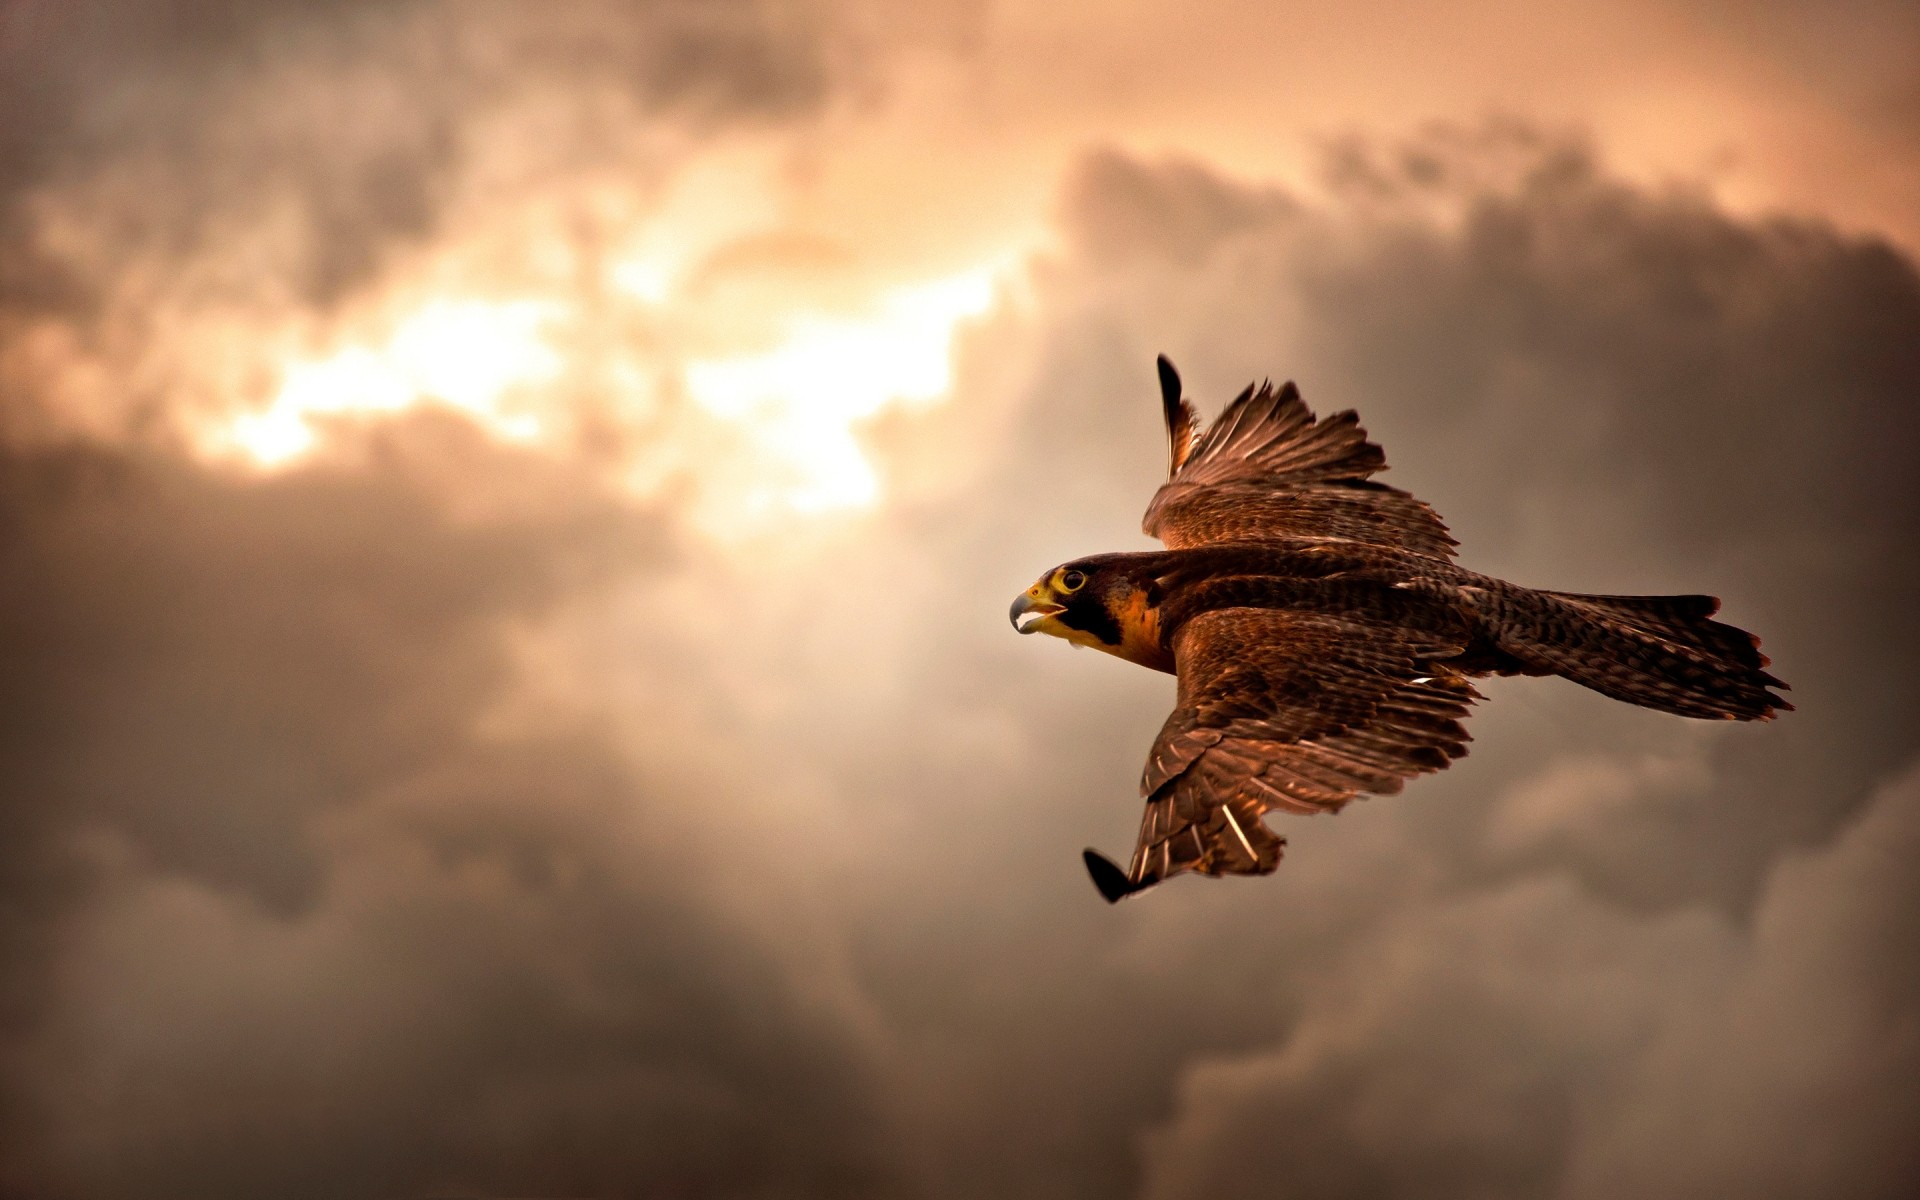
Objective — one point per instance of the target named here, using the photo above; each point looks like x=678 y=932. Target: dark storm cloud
x=133 y=581
x=1815 y=1015
x=356 y=124
x=290 y=915
x=1525 y=1041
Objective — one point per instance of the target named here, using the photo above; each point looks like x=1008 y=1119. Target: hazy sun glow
x=802 y=401
x=789 y=415
x=469 y=355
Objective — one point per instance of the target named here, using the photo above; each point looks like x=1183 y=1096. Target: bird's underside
x=1324 y=640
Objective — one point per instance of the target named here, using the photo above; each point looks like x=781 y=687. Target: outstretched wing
x=1268 y=469
x=1294 y=711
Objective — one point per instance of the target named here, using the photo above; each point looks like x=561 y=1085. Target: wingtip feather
x=1107 y=876
x=1169 y=380
x=1182 y=420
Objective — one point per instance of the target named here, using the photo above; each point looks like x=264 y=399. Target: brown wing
x=1268 y=469
x=1284 y=710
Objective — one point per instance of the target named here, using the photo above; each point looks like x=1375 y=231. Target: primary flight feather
x=1323 y=638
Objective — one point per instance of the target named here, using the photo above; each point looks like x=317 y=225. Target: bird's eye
x=1072 y=581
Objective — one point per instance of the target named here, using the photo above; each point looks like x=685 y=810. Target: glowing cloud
x=467 y=355
x=769 y=434
x=801 y=401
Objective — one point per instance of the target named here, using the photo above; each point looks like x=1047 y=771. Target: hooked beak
x=1035 y=605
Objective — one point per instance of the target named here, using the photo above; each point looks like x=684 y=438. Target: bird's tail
x=1661 y=652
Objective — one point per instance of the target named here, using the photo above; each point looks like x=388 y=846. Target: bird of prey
x=1323 y=638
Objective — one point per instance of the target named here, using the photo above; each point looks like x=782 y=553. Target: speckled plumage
x=1323 y=638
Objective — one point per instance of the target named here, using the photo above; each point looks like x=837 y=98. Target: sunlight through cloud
x=467 y=355
x=802 y=400
x=770 y=432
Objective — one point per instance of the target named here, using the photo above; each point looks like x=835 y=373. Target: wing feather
x=1294 y=712
x=1267 y=468
x=1183 y=421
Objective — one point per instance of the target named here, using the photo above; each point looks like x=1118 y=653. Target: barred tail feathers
x=1659 y=652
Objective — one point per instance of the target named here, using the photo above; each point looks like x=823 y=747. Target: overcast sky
x=507 y=514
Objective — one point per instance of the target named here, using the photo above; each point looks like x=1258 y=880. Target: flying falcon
x=1323 y=637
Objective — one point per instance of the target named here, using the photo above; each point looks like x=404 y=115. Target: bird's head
x=1103 y=602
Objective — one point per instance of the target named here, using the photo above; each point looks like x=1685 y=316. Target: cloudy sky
x=507 y=514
